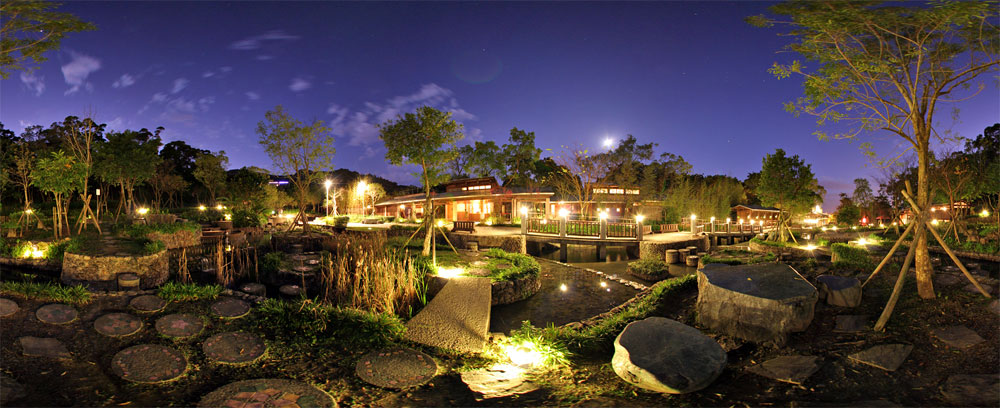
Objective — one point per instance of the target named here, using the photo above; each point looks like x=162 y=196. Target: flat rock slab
x=967 y=390
x=56 y=313
x=789 y=369
x=761 y=303
x=43 y=347
x=8 y=307
x=118 y=324
x=972 y=288
x=663 y=355
x=851 y=323
x=957 y=336
x=397 y=368
x=179 y=325
x=498 y=381
x=230 y=308
x=886 y=356
x=267 y=393
x=840 y=291
x=291 y=290
x=149 y=363
x=147 y=303
x=234 y=347
x=255 y=289
x=458 y=318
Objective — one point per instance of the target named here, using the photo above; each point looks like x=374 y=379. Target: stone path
x=8 y=307
x=789 y=369
x=149 y=363
x=56 y=313
x=266 y=393
x=147 y=303
x=397 y=368
x=458 y=318
x=886 y=356
x=498 y=381
x=234 y=347
x=957 y=336
x=118 y=324
x=179 y=325
x=230 y=308
x=43 y=347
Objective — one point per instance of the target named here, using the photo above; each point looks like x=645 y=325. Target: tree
x=579 y=172
x=127 y=159
x=863 y=197
x=626 y=164
x=847 y=213
x=246 y=188
x=61 y=175
x=210 y=171
x=460 y=165
x=486 y=160
x=298 y=150
x=520 y=156
x=659 y=175
x=985 y=156
x=165 y=183
x=80 y=136
x=374 y=192
x=788 y=184
x=889 y=68
x=29 y=29
x=427 y=139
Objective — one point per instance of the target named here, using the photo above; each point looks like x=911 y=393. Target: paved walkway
x=457 y=318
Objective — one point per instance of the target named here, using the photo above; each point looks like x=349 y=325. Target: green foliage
x=59 y=174
x=650 y=269
x=152 y=247
x=852 y=257
x=553 y=352
x=47 y=292
x=271 y=262
x=520 y=265
x=247 y=217
x=128 y=158
x=341 y=222
x=704 y=196
x=178 y=292
x=776 y=244
x=30 y=30
x=312 y=323
x=788 y=183
x=141 y=230
x=709 y=259
x=847 y=213
x=202 y=217
x=210 y=171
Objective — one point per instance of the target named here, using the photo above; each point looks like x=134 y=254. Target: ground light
x=142 y=211
x=863 y=242
x=639 y=218
x=934 y=222
x=523 y=354
x=563 y=287
x=809 y=247
x=201 y=208
x=985 y=213
x=604 y=284
x=218 y=207
x=449 y=273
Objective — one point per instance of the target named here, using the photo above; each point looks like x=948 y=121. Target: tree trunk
x=925 y=273
x=428 y=214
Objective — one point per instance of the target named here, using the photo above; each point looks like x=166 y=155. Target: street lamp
x=362 y=187
x=327 y=184
x=563 y=212
x=639 y=218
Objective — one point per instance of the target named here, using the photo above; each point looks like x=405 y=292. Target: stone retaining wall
x=510 y=243
x=27 y=263
x=180 y=239
x=768 y=249
x=658 y=250
x=153 y=270
x=508 y=292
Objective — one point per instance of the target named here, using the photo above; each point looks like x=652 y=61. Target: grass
x=520 y=265
x=174 y=291
x=599 y=338
x=313 y=323
x=49 y=292
x=551 y=352
x=141 y=230
x=851 y=257
x=650 y=269
x=776 y=244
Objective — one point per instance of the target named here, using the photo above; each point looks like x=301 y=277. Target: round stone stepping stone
x=43 y=347
x=789 y=369
x=498 y=381
x=290 y=290
x=117 y=324
x=149 y=363
x=397 y=368
x=234 y=347
x=267 y=393
x=255 y=289
x=56 y=313
x=663 y=355
x=147 y=303
x=8 y=307
x=179 y=325
x=230 y=308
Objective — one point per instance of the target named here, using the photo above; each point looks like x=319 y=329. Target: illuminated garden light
x=449 y=273
x=142 y=211
x=563 y=287
x=728 y=220
x=854 y=227
x=219 y=207
x=524 y=210
x=563 y=212
x=984 y=213
x=229 y=217
x=834 y=227
x=603 y=215
x=711 y=219
x=28 y=211
x=809 y=247
x=201 y=208
x=523 y=354
x=934 y=222
x=440 y=223
x=862 y=241
x=639 y=218
x=489 y=222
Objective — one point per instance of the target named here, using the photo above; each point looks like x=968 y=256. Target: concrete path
x=458 y=318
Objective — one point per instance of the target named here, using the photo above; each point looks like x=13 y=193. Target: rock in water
x=760 y=303
x=840 y=290
x=664 y=355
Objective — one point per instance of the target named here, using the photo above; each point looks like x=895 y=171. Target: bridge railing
x=542 y=226
x=584 y=228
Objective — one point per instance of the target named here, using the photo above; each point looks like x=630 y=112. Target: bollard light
x=603 y=215
x=201 y=208
x=985 y=213
x=712 y=219
x=524 y=210
x=28 y=211
x=728 y=220
x=639 y=218
x=563 y=212
x=142 y=211
x=218 y=207
x=440 y=223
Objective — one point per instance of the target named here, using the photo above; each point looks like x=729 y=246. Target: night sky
x=690 y=76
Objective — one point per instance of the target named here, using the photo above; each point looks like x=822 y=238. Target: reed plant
x=362 y=272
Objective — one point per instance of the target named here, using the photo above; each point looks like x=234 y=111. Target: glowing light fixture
x=327 y=183
x=563 y=287
x=449 y=273
x=142 y=211
x=603 y=215
x=440 y=223
x=201 y=208
x=28 y=211
x=219 y=207
x=809 y=247
x=728 y=220
x=489 y=222
x=822 y=229
x=854 y=227
x=402 y=206
x=639 y=218
x=604 y=284
x=934 y=222
x=862 y=241
x=985 y=213
x=712 y=219
x=524 y=353
x=229 y=217
x=524 y=210
x=834 y=227
x=563 y=212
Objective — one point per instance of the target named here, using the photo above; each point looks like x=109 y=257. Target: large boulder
x=840 y=291
x=664 y=355
x=761 y=303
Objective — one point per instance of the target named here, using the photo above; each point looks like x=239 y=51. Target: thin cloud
x=264 y=57
x=179 y=85
x=124 y=81
x=253 y=96
x=77 y=70
x=255 y=42
x=299 y=85
x=35 y=83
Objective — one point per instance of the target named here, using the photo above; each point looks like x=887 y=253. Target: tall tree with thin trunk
x=210 y=171
x=788 y=184
x=427 y=139
x=80 y=136
x=888 y=68
x=298 y=150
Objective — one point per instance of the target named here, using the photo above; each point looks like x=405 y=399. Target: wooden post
x=889 y=255
x=884 y=318
x=638 y=231
x=562 y=227
x=604 y=229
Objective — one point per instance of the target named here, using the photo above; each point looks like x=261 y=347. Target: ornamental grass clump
x=649 y=269
x=364 y=273
x=48 y=292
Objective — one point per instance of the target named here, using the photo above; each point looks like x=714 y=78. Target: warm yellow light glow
x=449 y=273
x=639 y=218
x=402 y=207
x=440 y=223
x=811 y=221
x=712 y=219
x=229 y=217
x=327 y=184
x=817 y=209
x=822 y=229
x=37 y=253
x=288 y=216
x=544 y=221
x=693 y=217
x=934 y=222
x=489 y=222
x=201 y=208
x=809 y=247
x=563 y=287
x=854 y=227
x=563 y=212
x=229 y=248
x=142 y=211
x=524 y=210
x=29 y=211
x=604 y=284
x=741 y=221
x=728 y=220
x=862 y=241
x=602 y=215
x=752 y=222
x=834 y=227
x=523 y=354
x=985 y=213
x=219 y=207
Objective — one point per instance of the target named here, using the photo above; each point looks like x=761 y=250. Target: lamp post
x=327 y=184
x=693 y=229
x=524 y=220
x=362 y=186
x=638 y=226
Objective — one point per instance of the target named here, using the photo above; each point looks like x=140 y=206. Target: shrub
x=141 y=230
x=152 y=247
x=551 y=351
x=851 y=257
x=649 y=269
x=520 y=265
x=341 y=222
x=271 y=262
x=709 y=259
x=202 y=217
x=245 y=217
x=174 y=291
x=308 y=322
x=48 y=292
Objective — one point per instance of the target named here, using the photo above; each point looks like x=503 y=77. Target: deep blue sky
x=690 y=76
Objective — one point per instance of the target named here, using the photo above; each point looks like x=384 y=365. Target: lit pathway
x=458 y=318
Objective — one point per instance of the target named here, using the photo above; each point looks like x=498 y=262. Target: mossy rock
x=179 y=325
x=147 y=303
x=396 y=368
x=230 y=308
x=149 y=363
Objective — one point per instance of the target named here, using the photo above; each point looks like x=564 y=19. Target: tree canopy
x=788 y=183
x=29 y=29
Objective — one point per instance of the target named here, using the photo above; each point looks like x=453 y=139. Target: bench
x=467 y=226
x=371 y=221
x=669 y=228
